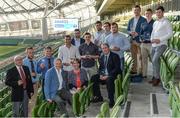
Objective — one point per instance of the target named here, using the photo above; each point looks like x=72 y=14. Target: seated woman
x=77 y=78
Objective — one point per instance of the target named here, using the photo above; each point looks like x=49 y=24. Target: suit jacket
x=113 y=65
x=81 y=41
x=12 y=78
x=138 y=27
x=51 y=84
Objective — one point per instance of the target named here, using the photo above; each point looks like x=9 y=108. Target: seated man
x=108 y=70
x=55 y=87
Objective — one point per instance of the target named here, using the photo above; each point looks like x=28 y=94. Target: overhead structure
x=14 y=13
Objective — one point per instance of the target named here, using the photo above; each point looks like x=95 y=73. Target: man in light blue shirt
x=44 y=64
x=118 y=43
x=31 y=63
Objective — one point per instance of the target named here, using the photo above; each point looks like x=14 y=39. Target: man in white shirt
x=98 y=36
x=162 y=31
x=107 y=31
x=68 y=52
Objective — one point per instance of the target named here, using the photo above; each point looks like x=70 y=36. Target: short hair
x=114 y=23
x=67 y=36
x=48 y=48
x=77 y=30
x=137 y=6
x=106 y=44
x=87 y=33
x=150 y=10
x=160 y=8
x=29 y=48
x=98 y=22
x=77 y=60
x=17 y=56
x=57 y=59
x=108 y=24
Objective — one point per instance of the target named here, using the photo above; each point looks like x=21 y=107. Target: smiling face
x=137 y=11
x=105 y=49
x=48 y=52
x=159 y=13
x=30 y=53
x=76 y=64
x=18 y=60
x=58 y=64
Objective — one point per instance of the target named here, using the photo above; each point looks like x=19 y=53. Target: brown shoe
x=152 y=81
x=156 y=82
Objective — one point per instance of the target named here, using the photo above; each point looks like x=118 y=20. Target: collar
x=162 y=19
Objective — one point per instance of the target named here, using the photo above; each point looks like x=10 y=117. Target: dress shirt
x=65 y=54
x=106 y=57
x=162 y=30
x=26 y=62
x=98 y=37
x=119 y=40
x=135 y=21
x=59 y=78
x=146 y=30
x=44 y=60
x=77 y=42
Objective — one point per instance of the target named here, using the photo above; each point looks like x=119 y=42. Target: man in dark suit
x=109 y=69
x=77 y=40
x=55 y=86
x=19 y=79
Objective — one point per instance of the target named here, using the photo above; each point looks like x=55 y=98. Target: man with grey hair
x=55 y=86
x=19 y=79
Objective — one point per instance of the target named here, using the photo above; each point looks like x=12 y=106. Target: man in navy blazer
x=134 y=27
x=108 y=70
x=55 y=87
x=77 y=40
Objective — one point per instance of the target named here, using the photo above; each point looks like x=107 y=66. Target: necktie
x=32 y=67
x=78 y=80
x=49 y=63
x=23 y=77
x=105 y=61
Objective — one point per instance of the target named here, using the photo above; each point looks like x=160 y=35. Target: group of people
x=96 y=58
x=149 y=39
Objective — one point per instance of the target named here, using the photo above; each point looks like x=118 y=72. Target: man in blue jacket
x=134 y=27
x=55 y=86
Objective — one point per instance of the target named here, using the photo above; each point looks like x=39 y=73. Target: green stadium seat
x=105 y=110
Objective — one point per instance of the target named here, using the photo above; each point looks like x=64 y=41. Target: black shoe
x=97 y=99
x=133 y=73
x=111 y=105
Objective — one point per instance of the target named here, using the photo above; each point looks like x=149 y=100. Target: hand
x=20 y=82
x=33 y=74
x=105 y=77
x=83 y=57
x=157 y=41
x=49 y=100
x=66 y=64
x=31 y=94
x=115 y=48
x=42 y=66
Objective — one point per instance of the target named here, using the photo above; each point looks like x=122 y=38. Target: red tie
x=78 y=80
x=23 y=77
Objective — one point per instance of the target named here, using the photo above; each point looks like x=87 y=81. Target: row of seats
x=174 y=99
x=115 y=112
x=5 y=104
x=169 y=62
x=42 y=108
x=81 y=100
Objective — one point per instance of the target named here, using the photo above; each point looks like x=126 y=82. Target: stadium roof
x=14 y=10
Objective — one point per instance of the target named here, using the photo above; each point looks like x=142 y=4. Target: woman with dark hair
x=77 y=77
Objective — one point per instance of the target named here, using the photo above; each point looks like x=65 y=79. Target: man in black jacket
x=108 y=70
x=19 y=79
x=77 y=40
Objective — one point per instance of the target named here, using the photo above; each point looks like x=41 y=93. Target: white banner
x=65 y=24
